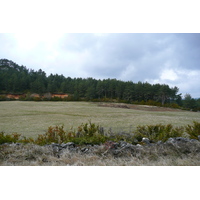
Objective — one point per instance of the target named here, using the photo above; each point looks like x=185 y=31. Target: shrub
x=9 y=138
x=88 y=133
x=89 y=129
x=193 y=131
x=174 y=105
x=158 y=132
x=26 y=140
x=54 y=134
x=3 y=98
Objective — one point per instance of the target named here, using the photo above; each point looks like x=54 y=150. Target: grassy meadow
x=33 y=118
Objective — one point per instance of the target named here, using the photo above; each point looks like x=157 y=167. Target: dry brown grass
x=33 y=155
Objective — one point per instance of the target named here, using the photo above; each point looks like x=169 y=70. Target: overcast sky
x=173 y=59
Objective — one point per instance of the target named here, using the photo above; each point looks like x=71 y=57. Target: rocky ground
x=175 y=151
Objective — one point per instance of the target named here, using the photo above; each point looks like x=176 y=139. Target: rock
x=55 y=149
x=135 y=140
x=159 y=142
x=111 y=145
x=55 y=145
x=170 y=141
x=146 y=140
x=181 y=139
x=84 y=150
x=198 y=137
x=67 y=145
x=194 y=140
x=122 y=144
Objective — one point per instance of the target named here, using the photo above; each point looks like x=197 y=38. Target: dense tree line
x=19 y=79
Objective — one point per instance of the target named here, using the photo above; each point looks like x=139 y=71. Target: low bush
x=158 y=132
x=54 y=134
x=6 y=138
x=3 y=98
x=90 y=133
x=193 y=131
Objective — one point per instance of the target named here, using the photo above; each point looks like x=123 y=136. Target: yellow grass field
x=33 y=118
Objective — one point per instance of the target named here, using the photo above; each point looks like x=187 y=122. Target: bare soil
x=139 y=107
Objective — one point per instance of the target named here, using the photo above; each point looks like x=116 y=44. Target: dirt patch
x=114 y=105
x=138 y=107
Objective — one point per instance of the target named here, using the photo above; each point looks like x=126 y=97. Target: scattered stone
x=68 y=145
x=159 y=142
x=122 y=144
x=55 y=149
x=84 y=150
x=194 y=140
x=146 y=140
x=12 y=144
x=170 y=141
x=55 y=145
x=181 y=139
x=44 y=160
x=123 y=148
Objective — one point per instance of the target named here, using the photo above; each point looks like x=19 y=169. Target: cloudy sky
x=173 y=59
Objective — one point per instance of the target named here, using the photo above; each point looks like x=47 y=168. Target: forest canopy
x=17 y=79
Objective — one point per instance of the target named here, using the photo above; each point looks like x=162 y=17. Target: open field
x=33 y=118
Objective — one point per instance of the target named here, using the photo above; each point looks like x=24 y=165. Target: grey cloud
x=136 y=57
x=187 y=50
x=119 y=51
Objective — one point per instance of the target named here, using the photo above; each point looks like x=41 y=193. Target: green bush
x=26 y=140
x=9 y=138
x=158 y=132
x=193 y=131
x=90 y=133
x=54 y=134
x=174 y=105
x=3 y=98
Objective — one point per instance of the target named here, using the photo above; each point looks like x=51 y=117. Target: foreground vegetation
x=92 y=134
x=24 y=139
x=17 y=150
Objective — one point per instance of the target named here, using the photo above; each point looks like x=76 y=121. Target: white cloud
x=169 y=74
x=128 y=72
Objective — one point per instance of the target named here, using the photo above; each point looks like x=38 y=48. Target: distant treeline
x=15 y=79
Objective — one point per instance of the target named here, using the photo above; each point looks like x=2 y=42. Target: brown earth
x=138 y=107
